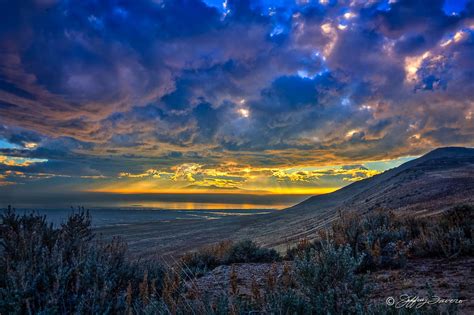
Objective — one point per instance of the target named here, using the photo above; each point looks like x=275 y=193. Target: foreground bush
x=329 y=281
x=64 y=270
x=451 y=237
x=387 y=240
x=322 y=281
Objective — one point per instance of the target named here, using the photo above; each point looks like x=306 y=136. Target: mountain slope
x=436 y=181
x=441 y=177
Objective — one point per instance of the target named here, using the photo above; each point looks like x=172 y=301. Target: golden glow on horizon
x=231 y=178
x=303 y=191
x=207 y=206
x=228 y=177
x=271 y=191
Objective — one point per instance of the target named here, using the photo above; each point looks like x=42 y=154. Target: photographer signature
x=407 y=301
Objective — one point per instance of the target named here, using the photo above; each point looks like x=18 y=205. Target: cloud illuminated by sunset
x=258 y=97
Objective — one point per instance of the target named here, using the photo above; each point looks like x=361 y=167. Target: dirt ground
x=447 y=279
x=160 y=239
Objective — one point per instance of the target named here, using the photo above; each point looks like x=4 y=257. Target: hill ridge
x=449 y=155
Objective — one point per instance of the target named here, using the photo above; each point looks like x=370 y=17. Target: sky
x=190 y=103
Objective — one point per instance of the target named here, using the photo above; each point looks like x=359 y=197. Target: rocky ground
x=447 y=279
x=217 y=281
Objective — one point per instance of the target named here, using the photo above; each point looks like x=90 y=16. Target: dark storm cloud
x=417 y=25
x=98 y=87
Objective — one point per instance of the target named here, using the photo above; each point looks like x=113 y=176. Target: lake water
x=113 y=216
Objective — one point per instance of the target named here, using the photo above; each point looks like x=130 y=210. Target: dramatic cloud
x=237 y=95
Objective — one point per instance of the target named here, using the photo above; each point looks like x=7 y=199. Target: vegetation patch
x=63 y=270
x=227 y=253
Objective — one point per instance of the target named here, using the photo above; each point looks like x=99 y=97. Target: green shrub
x=62 y=271
x=328 y=279
x=449 y=235
x=248 y=252
x=387 y=240
x=287 y=302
